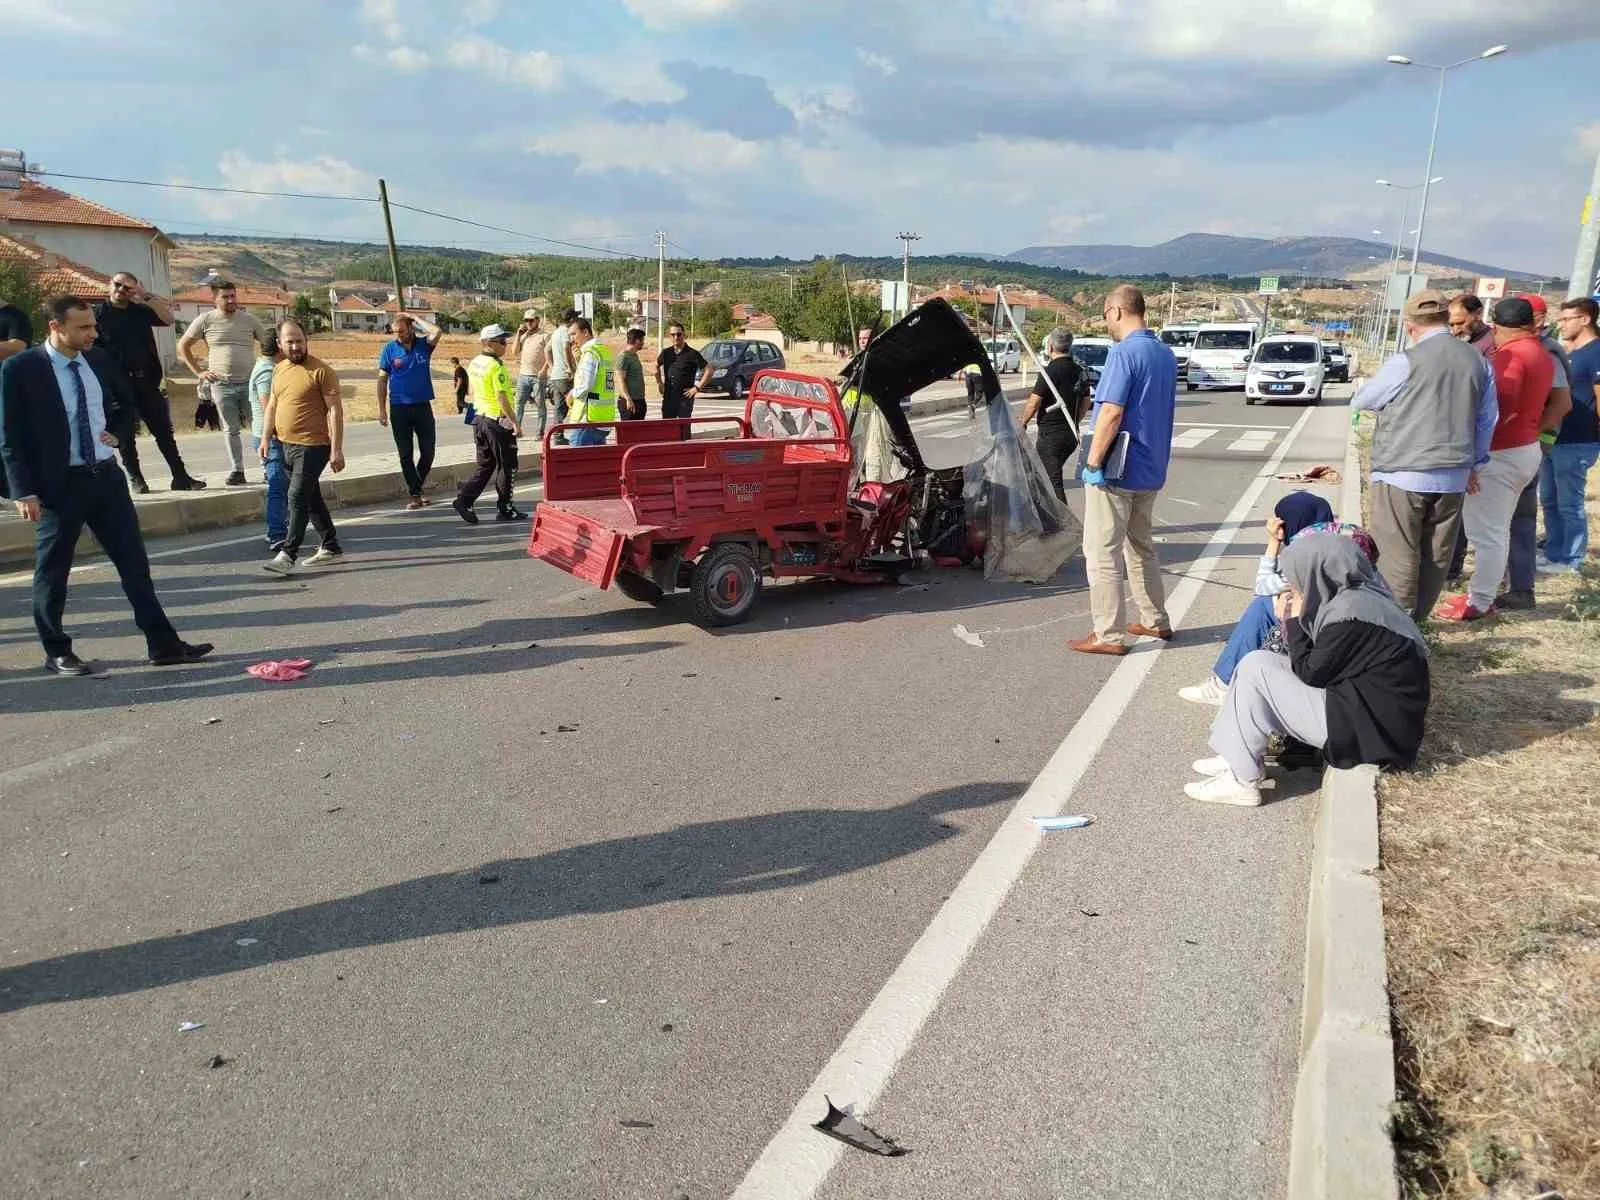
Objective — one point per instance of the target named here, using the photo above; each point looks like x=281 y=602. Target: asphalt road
x=531 y=891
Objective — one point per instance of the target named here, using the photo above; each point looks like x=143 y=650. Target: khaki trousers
x=1117 y=521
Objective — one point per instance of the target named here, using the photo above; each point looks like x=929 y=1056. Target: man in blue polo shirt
x=405 y=398
x=1134 y=405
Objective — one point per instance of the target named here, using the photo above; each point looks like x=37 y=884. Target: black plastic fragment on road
x=637 y=1124
x=486 y=879
x=841 y=1125
x=566 y=729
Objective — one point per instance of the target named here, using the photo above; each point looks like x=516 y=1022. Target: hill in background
x=1196 y=254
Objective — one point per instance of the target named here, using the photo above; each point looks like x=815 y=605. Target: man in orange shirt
x=1523 y=374
x=306 y=415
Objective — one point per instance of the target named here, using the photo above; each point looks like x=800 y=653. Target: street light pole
x=1400 y=60
x=1583 y=278
x=905 y=265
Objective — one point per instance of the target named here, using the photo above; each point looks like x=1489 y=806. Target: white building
x=88 y=234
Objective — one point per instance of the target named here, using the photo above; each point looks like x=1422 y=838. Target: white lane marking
x=1179 y=500
x=1254 y=441
x=57 y=763
x=1190 y=438
x=1225 y=425
x=101 y=563
x=797 y=1160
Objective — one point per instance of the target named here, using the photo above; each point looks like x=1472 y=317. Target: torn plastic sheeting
x=840 y=1124
x=1029 y=533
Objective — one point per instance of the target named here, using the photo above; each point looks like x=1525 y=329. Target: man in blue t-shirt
x=1126 y=466
x=1564 y=476
x=405 y=398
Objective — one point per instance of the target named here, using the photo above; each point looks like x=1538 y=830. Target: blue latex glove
x=1094 y=477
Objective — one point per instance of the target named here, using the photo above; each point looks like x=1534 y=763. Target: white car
x=1286 y=366
x=1005 y=353
x=1220 y=355
x=1180 y=340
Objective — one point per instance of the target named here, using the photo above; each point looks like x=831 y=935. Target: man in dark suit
x=56 y=402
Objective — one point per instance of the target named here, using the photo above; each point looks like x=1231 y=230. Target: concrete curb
x=220 y=508
x=1341 y=1144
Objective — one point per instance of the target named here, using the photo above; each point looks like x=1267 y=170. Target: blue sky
x=750 y=127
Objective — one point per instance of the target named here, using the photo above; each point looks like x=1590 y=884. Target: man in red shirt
x=1523 y=374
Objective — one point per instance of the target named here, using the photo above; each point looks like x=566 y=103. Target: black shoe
x=138 y=486
x=1515 y=600
x=236 y=479
x=183 y=652
x=464 y=511
x=66 y=664
x=188 y=484
x=511 y=514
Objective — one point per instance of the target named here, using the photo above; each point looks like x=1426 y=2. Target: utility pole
x=661 y=290
x=394 y=255
x=1583 y=279
x=905 y=264
x=693 y=283
x=1172 y=303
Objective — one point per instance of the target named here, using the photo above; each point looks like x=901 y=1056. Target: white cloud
x=662 y=14
x=1589 y=139
x=322 y=174
x=480 y=12
x=529 y=68
x=876 y=62
x=407 y=59
x=42 y=16
x=385 y=16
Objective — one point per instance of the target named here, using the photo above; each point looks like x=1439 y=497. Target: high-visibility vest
x=600 y=403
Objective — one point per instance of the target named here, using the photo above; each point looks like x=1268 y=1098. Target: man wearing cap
x=532 y=349
x=559 y=357
x=1523 y=371
x=494 y=429
x=1436 y=410
x=405 y=398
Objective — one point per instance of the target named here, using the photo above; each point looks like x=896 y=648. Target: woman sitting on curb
x=1355 y=684
x=1297 y=513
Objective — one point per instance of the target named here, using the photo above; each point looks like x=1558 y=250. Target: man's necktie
x=85 y=434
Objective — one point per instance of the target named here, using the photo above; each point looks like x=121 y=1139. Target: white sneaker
x=281 y=565
x=1212 y=691
x=1210 y=767
x=1224 y=789
x=1545 y=567
x=323 y=557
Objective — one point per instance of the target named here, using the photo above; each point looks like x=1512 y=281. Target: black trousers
x=497 y=459
x=156 y=414
x=96 y=497
x=1056 y=445
x=974 y=391
x=413 y=429
x=305 y=465
x=677 y=404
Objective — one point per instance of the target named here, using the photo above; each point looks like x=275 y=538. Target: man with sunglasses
x=1564 y=474
x=1137 y=396
x=681 y=371
x=125 y=321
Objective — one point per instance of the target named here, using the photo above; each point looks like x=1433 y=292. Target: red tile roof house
x=271 y=305
x=90 y=236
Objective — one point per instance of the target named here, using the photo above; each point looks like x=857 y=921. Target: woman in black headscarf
x=1355 y=684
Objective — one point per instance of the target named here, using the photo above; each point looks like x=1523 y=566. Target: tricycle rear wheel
x=725 y=585
x=637 y=587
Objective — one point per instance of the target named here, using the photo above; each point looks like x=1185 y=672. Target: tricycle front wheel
x=725 y=585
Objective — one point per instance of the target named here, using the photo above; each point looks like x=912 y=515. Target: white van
x=1005 y=352
x=1180 y=340
x=1220 y=355
x=1286 y=366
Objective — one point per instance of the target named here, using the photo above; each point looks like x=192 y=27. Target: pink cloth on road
x=282 y=671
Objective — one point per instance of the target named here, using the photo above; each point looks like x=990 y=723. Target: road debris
x=335 y=808
x=967 y=636
x=1049 y=824
x=245 y=941
x=212 y=721
x=218 y=1061
x=841 y=1125
x=1321 y=474
x=191 y=1026
x=1090 y=912
x=485 y=880
x=566 y=729
x=637 y=1124
x=285 y=670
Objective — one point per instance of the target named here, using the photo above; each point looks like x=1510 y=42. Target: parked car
x=1005 y=353
x=1221 y=355
x=1286 y=366
x=735 y=361
x=1336 y=362
x=1091 y=354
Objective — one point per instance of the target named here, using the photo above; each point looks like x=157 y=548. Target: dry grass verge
x=1491 y=887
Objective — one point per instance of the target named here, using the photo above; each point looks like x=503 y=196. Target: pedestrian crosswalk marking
x=1253 y=441
x=1190 y=438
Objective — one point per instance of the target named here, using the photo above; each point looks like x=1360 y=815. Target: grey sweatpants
x=1266 y=697
x=233 y=405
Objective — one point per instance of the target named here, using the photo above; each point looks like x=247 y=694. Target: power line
x=427 y=212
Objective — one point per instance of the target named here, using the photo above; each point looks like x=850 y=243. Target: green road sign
x=1269 y=286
